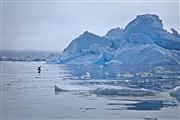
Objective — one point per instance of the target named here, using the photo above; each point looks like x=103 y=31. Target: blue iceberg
x=142 y=41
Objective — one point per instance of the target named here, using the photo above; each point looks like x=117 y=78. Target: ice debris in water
x=87 y=76
x=57 y=89
x=70 y=88
x=107 y=90
x=159 y=69
x=149 y=118
x=122 y=91
x=146 y=74
x=126 y=75
x=175 y=92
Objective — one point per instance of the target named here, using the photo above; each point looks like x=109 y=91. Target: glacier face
x=142 y=41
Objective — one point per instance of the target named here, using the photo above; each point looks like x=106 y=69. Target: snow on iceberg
x=142 y=41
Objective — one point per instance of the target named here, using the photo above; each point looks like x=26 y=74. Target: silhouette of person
x=39 y=69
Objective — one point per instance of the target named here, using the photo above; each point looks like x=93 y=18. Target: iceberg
x=106 y=90
x=175 y=93
x=122 y=91
x=142 y=41
x=86 y=49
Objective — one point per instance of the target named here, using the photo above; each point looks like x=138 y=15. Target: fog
x=52 y=25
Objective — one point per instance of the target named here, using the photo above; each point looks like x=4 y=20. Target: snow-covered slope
x=142 y=41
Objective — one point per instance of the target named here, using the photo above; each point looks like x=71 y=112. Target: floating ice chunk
x=126 y=75
x=175 y=92
x=146 y=74
x=123 y=91
x=57 y=89
x=118 y=75
x=150 y=118
x=159 y=69
x=87 y=76
x=101 y=66
x=70 y=88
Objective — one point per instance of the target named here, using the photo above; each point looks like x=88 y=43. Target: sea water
x=68 y=92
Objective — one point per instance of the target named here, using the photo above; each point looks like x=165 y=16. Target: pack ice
x=142 y=41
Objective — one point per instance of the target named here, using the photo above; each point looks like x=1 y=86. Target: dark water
x=134 y=92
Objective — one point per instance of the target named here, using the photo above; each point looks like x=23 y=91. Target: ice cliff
x=142 y=41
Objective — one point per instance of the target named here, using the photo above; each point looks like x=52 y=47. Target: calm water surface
x=60 y=92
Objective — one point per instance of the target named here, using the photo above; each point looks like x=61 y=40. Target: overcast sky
x=51 y=26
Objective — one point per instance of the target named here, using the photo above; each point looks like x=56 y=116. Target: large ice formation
x=142 y=41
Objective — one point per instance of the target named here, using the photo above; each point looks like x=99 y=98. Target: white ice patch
x=122 y=91
x=106 y=90
x=70 y=88
x=175 y=92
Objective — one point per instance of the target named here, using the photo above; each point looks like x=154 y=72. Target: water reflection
x=123 y=81
x=95 y=91
x=142 y=105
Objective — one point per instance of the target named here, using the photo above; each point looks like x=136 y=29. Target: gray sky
x=51 y=26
